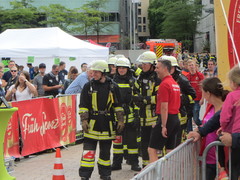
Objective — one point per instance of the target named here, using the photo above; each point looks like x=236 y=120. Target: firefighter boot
x=105 y=177
x=135 y=167
x=134 y=162
x=117 y=162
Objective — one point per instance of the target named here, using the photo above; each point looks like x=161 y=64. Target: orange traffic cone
x=58 y=173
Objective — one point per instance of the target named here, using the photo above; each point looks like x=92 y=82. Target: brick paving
x=40 y=167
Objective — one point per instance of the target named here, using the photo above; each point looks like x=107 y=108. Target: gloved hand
x=147 y=99
x=85 y=126
x=120 y=126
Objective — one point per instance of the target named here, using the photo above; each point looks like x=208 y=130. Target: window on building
x=139 y=20
x=211 y=1
x=139 y=28
x=144 y=20
x=139 y=11
x=112 y=17
x=139 y=4
x=144 y=29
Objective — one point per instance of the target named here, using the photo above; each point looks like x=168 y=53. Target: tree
x=178 y=19
x=58 y=16
x=22 y=15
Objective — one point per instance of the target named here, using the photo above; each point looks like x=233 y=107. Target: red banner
x=45 y=123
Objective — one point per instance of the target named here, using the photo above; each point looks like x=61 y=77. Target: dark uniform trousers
x=145 y=138
x=128 y=138
x=88 y=161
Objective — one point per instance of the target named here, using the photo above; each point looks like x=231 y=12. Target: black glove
x=137 y=99
x=85 y=126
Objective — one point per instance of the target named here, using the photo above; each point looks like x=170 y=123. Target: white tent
x=46 y=45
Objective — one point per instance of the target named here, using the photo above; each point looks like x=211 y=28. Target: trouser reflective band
x=124 y=147
x=145 y=162
x=117 y=151
x=87 y=163
x=103 y=162
x=139 y=139
x=132 y=151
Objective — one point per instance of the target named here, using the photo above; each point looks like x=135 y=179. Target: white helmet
x=147 y=57
x=112 y=60
x=120 y=56
x=172 y=59
x=100 y=65
x=123 y=62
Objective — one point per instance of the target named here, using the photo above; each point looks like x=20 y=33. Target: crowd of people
x=143 y=110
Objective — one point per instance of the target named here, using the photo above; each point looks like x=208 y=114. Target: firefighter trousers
x=128 y=138
x=88 y=157
x=145 y=138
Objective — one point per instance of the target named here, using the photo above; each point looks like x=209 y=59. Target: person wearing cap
x=100 y=102
x=187 y=96
x=125 y=80
x=38 y=80
x=145 y=93
x=164 y=133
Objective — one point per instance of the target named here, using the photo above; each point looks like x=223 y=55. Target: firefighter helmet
x=172 y=59
x=112 y=60
x=120 y=56
x=100 y=65
x=123 y=62
x=147 y=57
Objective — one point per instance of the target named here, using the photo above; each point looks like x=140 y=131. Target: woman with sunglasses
x=13 y=79
x=22 y=89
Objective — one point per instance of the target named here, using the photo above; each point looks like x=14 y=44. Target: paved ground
x=40 y=167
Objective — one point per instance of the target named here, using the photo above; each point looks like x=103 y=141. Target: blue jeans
x=196 y=110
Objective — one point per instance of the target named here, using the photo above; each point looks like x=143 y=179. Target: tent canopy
x=47 y=42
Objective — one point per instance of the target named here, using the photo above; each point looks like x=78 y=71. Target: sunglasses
x=13 y=70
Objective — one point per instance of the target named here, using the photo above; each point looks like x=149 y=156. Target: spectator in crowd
x=214 y=93
x=38 y=80
x=210 y=71
x=20 y=68
x=13 y=79
x=69 y=71
x=73 y=73
x=62 y=72
x=77 y=85
x=195 y=78
x=2 y=93
x=84 y=67
x=185 y=55
x=51 y=80
x=230 y=117
x=31 y=70
x=7 y=75
x=22 y=89
x=185 y=70
x=36 y=71
x=164 y=133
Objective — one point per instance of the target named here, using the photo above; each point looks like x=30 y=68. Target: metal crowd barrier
x=203 y=158
x=180 y=164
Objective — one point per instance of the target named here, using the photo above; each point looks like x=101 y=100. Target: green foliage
x=174 y=19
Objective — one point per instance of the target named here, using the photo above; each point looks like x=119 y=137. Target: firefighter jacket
x=100 y=101
x=145 y=92
x=126 y=84
x=187 y=95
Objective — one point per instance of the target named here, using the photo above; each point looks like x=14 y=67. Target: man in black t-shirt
x=62 y=71
x=51 y=82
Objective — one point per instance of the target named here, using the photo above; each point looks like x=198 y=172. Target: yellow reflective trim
x=103 y=162
x=124 y=85
x=145 y=162
x=94 y=101
x=138 y=71
x=156 y=88
x=110 y=98
x=87 y=164
x=82 y=110
x=132 y=151
x=153 y=99
x=190 y=99
x=99 y=137
x=117 y=151
x=139 y=139
x=125 y=147
x=118 y=109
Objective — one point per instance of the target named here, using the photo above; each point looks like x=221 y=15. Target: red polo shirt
x=195 y=81
x=168 y=91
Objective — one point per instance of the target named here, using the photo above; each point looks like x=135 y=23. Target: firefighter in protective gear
x=125 y=81
x=111 y=66
x=187 y=95
x=99 y=104
x=145 y=92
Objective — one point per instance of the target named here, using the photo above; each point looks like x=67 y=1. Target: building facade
x=204 y=40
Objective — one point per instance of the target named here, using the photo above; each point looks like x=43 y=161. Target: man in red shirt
x=164 y=133
x=195 y=78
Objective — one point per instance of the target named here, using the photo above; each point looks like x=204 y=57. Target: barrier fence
x=40 y=124
x=180 y=163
